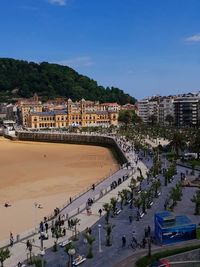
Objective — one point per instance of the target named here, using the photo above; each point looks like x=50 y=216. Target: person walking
x=123 y=241
x=46 y=227
x=130 y=218
x=100 y=212
x=11 y=239
x=149 y=230
x=64 y=231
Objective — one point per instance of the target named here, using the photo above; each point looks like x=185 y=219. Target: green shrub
x=146 y=261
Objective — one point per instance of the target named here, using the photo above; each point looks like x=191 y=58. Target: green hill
x=20 y=78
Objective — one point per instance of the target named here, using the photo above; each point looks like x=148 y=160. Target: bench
x=79 y=260
x=129 y=201
x=141 y=215
x=118 y=212
x=65 y=242
x=151 y=203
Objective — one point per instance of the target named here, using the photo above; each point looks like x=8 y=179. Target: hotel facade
x=33 y=114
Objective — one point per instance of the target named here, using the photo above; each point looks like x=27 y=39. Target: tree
x=196 y=199
x=113 y=203
x=137 y=203
x=153 y=119
x=90 y=239
x=195 y=144
x=175 y=194
x=125 y=192
x=143 y=197
x=4 y=255
x=125 y=116
x=108 y=227
x=177 y=143
x=155 y=186
x=140 y=179
x=67 y=248
x=169 y=118
x=56 y=234
x=132 y=187
x=107 y=208
x=74 y=223
x=53 y=80
x=122 y=198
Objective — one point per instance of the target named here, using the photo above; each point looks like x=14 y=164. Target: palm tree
x=177 y=143
x=67 y=248
x=107 y=208
x=4 y=254
x=195 y=144
x=143 y=201
x=196 y=200
x=132 y=187
x=155 y=186
x=149 y=197
x=74 y=223
x=125 y=192
x=175 y=194
x=56 y=234
x=140 y=179
x=137 y=203
x=113 y=203
x=108 y=227
x=90 y=239
x=122 y=198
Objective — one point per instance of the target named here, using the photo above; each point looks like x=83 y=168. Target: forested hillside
x=22 y=79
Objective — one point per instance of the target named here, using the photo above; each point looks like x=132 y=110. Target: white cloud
x=193 y=39
x=84 y=61
x=57 y=2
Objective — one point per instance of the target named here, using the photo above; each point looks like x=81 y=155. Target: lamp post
x=99 y=226
x=71 y=253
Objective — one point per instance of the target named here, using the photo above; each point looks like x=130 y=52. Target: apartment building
x=187 y=110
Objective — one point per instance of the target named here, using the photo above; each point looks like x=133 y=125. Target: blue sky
x=144 y=47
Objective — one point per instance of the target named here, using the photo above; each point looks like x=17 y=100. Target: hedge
x=145 y=261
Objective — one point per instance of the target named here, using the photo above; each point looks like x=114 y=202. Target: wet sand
x=45 y=173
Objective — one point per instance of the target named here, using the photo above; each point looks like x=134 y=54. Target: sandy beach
x=45 y=173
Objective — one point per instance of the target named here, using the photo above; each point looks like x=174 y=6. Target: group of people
x=134 y=242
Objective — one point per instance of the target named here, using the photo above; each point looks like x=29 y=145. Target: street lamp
x=71 y=253
x=99 y=226
x=42 y=253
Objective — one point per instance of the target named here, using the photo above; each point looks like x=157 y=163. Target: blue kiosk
x=170 y=229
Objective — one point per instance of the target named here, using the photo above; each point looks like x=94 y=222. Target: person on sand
x=6 y=205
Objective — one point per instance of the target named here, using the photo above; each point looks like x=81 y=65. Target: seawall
x=69 y=138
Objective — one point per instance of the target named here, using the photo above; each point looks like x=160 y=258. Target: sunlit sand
x=45 y=173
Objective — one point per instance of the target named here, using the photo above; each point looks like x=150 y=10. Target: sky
x=145 y=47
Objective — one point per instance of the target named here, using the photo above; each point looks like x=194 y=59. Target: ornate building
x=81 y=114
